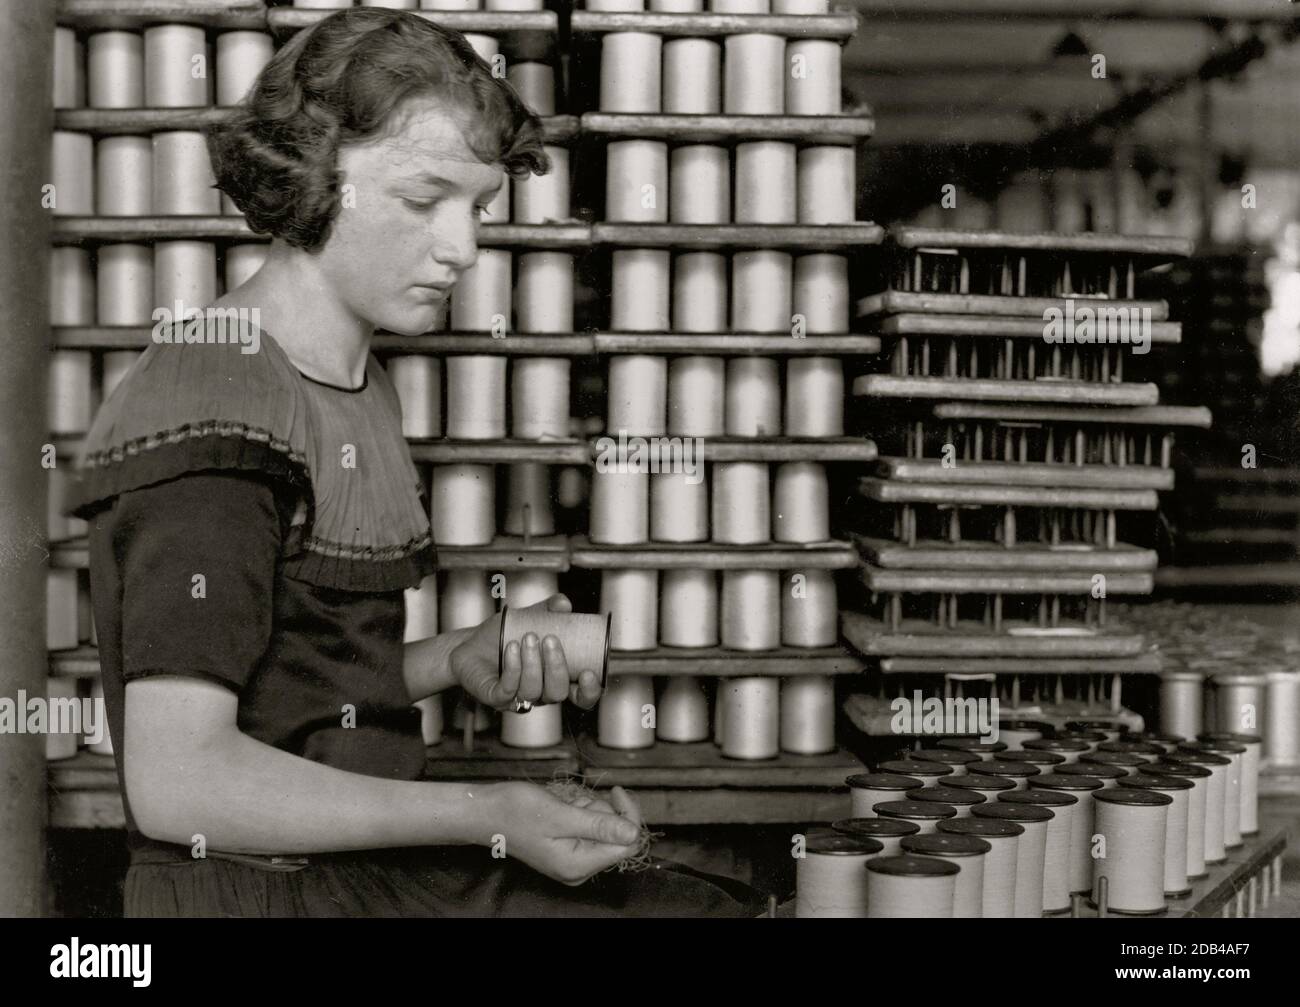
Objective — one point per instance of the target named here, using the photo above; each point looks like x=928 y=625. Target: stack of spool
x=1015 y=463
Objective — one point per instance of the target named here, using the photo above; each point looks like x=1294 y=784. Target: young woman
x=256 y=515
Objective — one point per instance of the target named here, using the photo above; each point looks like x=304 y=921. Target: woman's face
x=408 y=225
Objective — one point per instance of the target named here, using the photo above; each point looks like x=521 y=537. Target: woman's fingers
x=625 y=805
x=585 y=693
x=532 y=677
x=559 y=603
x=503 y=690
x=602 y=827
x=555 y=670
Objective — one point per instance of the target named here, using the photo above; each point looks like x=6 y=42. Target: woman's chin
x=410 y=323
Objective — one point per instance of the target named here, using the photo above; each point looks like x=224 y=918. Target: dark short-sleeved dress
x=255 y=528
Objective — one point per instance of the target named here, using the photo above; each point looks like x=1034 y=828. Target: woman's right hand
x=569 y=842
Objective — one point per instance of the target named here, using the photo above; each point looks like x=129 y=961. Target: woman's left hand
x=532 y=670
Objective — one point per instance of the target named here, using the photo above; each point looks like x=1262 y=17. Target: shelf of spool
x=790 y=449
x=839 y=26
x=498 y=452
x=890 y=491
x=1197 y=417
x=811 y=130
x=924 y=638
x=246 y=15
x=990 y=582
x=487 y=758
x=994 y=556
x=718 y=662
x=1053 y=390
x=1136 y=664
x=833 y=555
x=926 y=303
x=1156 y=247
x=728 y=344
x=1109 y=330
x=1060 y=475
x=701 y=237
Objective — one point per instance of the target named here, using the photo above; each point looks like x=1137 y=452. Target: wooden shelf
x=1058 y=475
x=481 y=344
x=588 y=555
x=506 y=452
x=702 y=764
x=988 y=582
x=1141 y=664
x=508 y=552
x=1154 y=416
x=818 y=130
x=900 y=302
x=893 y=492
x=489 y=759
x=788 y=449
x=894 y=386
x=81 y=662
x=994 y=556
x=1012 y=327
x=916 y=638
x=137 y=14
x=1154 y=246
x=839 y=26
x=792 y=237
x=704 y=662
x=736 y=344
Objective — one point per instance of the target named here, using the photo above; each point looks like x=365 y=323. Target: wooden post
x=26 y=125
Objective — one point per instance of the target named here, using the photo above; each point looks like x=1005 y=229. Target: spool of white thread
x=866 y=790
x=958 y=761
x=71 y=392
x=810 y=610
x=679 y=508
x=808 y=714
x=955 y=797
x=476 y=397
x=814 y=397
x=1056 y=862
x=542 y=198
x=930 y=774
x=620 y=507
x=1250 y=762
x=754 y=75
x=69 y=74
x=1061 y=746
x=751 y=717
x=700 y=185
x=761 y=291
x=638 y=395
x=624 y=712
x=60 y=692
x=683 y=711
x=124 y=287
x=418 y=382
x=1126 y=761
x=1078 y=869
x=692 y=76
x=463 y=504
x=968 y=853
x=182 y=175
x=696 y=397
x=830 y=877
x=534 y=82
x=117 y=364
x=632 y=598
x=58 y=526
x=821 y=293
x=1179 y=790
x=1215 y=797
x=1031 y=851
x=488 y=47
x=466 y=600
x=639 y=299
x=630 y=72
x=753 y=398
x=528 y=501
x=1110 y=776
x=544 y=298
x=636 y=181
x=542 y=726
x=765 y=182
x=1235 y=754
x=431 y=719
x=115 y=70
x=801 y=503
x=513 y=5
x=1180 y=702
x=986 y=750
x=540 y=397
x=611 y=6
x=124 y=176
x=741 y=509
x=751 y=608
x=1197 y=799
x=72 y=156
x=184 y=271
x=908 y=887
x=243 y=262
x=241 y=55
x=675 y=6
x=61 y=630
x=700 y=292
x=175 y=66
x=1282 y=720
x=998 y=892
x=812 y=80
x=888 y=832
x=421 y=610
x=827 y=185
x=1238 y=702
x=105 y=744
x=738 y=6
x=390 y=4
x=688 y=609
x=426 y=4
x=481 y=300
x=1133 y=823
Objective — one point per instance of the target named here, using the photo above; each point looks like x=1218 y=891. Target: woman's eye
x=420 y=204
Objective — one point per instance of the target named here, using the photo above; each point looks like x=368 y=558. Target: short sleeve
x=197 y=559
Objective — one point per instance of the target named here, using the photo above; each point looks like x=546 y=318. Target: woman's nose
x=456 y=246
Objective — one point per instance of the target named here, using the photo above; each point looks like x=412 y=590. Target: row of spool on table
x=699 y=288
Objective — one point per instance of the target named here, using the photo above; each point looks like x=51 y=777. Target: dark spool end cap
x=1229 y=747
x=1013 y=812
x=994 y=827
x=1001 y=767
x=891 y=828
x=1198 y=758
x=1056 y=745
x=1097 y=770
x=1127 y=795
x=940 y=845
x=914 y=767
x=1065 y=781
x=1145 y=781
x=925 y=810
x=974 y=781
x=908 y=866
x=1100 y=758
x=946 y=795
x=1240 y=739
x=1097 y=724
x=1039 y=798
x=883 y=781
x=972 y=745
x=1033 y=758
x=945 y=756
x=1130 y=748
x=842 y=844
x=1186 y=770
x=1091 y=737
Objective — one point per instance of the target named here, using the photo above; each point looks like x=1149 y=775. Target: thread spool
x=625 y=710
x=534 y=82
x=700 y=294
x=1016 y=732
x=636 y=181
x=692 y=76
x=926 y=814
x=986 y=786
x=1109 y=776
x=182 y=175
x=1078 y=869
x=812 y=80
x=801 y=503
x=71 y=159
x=418 y=382
x=476 y=397
x=115 y=70
x=887 y=831
x=688 y=609
x=421 y=610
x=753 y=75
x=513 y=5
x=584 y=637
x=60 y=693
x=1215 y=797
x=866 y=790
x=741 y=503
x=765 y=182
x=929 y=773
x=1126 y=761
x=620 y=505
x=827 y=185
x=639 y=298
x=638 y=395
x=175 y=66
x=761 y=291
x=1057 y=851
x=243 y=263
x=104 y=746
x=1045 y=761
x=630 y=78
x=968 y=852
x=543 y=725
x=753 y=397
x=1250 y=763
x=810 y=610
x=683 y=711
x=1238 y=701
x=58 y=525
x=814 y=397
x=1061 y=746
x=679 y=507
x=481 y=300
x=539 y=398
x=447 y=5
x=808 y=714
x=830 y=882
x=71 y=402
x=947 y=757
x=751 y=717
x=1133 y=823
x=463 y=504
x=528 y=500
x=954 y=797
x=631 y=596
x=544 y=302
x=999 y=882
x=696 y=397
x=1179 y=790
x=1180 y=702
x=676 y=6
x=1164 y=742
x=1197 y=800
x=700 y=185
x=61 y=631
x=1020 y=773
x=751 y=608
x=466 y=600
x=184 y=271
x=69 y=78
x=910 y=887
x=1232 y=800
x=241 y=55
x=614 y=5
x=124 y=287
x=738 y=6
x=821 y=293
x=1090 y=738
x=986 y=750
x=1031 y=851
x=1282 y=720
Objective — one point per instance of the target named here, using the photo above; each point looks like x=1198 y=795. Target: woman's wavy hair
x=338 y=82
